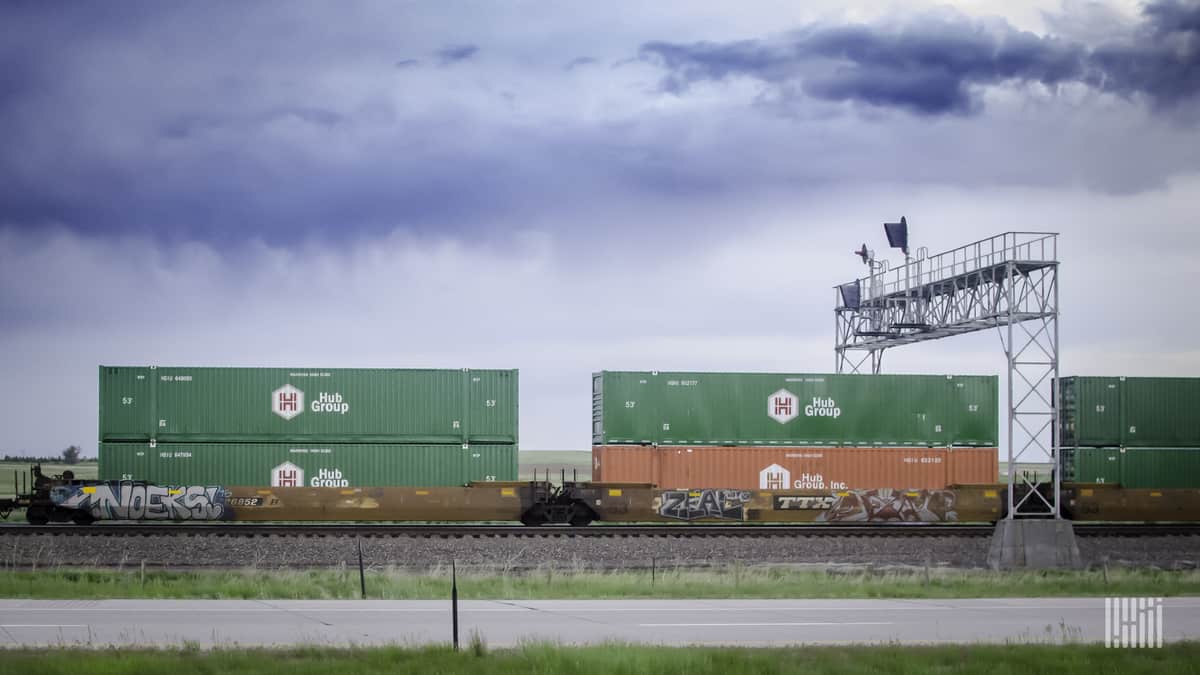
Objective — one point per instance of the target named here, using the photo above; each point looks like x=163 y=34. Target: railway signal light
x=864 y=254
x=897 y=234
x=851 y=296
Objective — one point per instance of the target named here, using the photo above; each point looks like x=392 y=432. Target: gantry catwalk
x=1008 y=282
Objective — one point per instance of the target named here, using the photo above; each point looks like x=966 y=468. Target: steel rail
x=243 y=530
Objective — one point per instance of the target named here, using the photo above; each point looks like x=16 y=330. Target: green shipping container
x=1152 y=412
x=289 y=405
x=794 y=409
x=1092 y=465
x=281 y=464
x=1137 y=468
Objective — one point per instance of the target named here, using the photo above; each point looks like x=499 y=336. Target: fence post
x=454 y=600
x=362 y=576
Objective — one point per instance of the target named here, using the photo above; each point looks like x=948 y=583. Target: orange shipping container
x=794 y=468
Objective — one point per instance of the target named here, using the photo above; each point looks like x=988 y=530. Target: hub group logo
x=288 y=402
x=287 y=475
x=774 y=477
x=783 y=406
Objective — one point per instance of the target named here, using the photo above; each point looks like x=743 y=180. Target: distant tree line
x=69 y=456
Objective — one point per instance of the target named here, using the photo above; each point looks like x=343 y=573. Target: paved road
x=504 y=623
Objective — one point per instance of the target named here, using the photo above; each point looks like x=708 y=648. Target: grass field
x=538 y=659
x=577 y=463
x=9 y=469
x=734 y=581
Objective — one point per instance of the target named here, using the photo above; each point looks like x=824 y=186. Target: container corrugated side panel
x=1144 y=468
x=973 y=466
x=357 y=465
x=804 y=468
x=789 y=468
x=219 y=404
x=683 y=408
x=323 y=405
x=1161 y=412
x=624 y=464
x=1096 y=465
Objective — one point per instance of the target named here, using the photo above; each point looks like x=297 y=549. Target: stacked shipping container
x=784 y=431
x=1141 y=432
x=320 y=427
x=799 y=468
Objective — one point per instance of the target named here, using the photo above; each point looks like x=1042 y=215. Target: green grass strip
x=728 y=582
x=537 y=659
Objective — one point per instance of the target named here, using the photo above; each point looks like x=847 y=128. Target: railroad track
x=244 y=530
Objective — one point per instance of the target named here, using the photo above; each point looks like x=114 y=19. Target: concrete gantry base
x=1034 y=545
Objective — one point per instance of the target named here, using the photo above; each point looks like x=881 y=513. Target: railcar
x=540 y=502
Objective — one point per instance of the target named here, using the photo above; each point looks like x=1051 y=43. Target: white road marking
x=43 y=625
x=773 y=623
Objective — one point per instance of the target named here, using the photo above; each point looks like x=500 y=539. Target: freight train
x=441 y=445
x=65 y=499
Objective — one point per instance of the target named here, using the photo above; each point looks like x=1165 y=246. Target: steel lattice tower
x=1008 y=282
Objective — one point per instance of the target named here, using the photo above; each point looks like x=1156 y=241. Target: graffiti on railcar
x=889 y=505
x=131 y=501
x=803 y=502
x=697 y=504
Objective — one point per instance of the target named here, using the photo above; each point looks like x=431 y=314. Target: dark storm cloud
x=932 y=65
x=138 y=123
x=1162 y=60
x=455 y=53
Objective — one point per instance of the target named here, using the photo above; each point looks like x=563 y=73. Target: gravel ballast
x=565 y=552
x=502 y=552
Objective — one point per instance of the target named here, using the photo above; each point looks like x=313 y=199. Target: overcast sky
x=565 y=187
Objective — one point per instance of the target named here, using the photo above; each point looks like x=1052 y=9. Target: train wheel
x=533 y=517
x=82 y=518
x=581 y=516
x=37 y=515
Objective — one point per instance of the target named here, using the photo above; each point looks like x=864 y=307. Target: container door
x=489 y=463
x=126 y=404
x=631 y=408
x=491 y=411
x=1097 y=411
